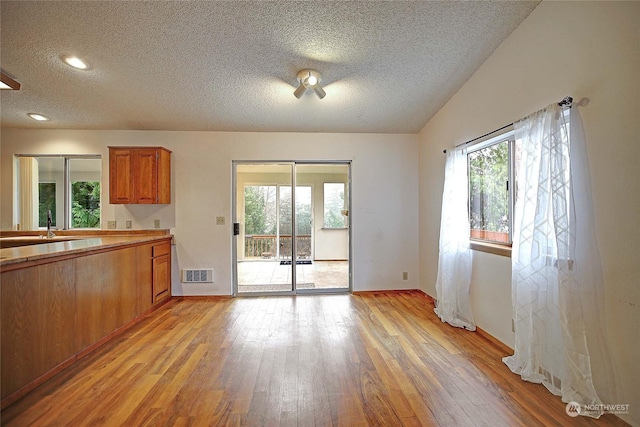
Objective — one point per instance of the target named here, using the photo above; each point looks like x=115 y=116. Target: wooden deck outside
x=272 y=246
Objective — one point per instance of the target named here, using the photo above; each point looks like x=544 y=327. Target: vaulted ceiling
x=387 y=67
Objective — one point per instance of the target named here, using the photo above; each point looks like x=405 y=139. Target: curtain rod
x=567 y=101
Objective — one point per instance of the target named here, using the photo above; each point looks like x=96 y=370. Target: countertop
x=80 y=245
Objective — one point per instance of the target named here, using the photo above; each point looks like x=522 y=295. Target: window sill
x=492 y=248
x=334 y=228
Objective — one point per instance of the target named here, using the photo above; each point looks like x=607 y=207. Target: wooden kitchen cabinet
x=38 y=319
x=139 y=175
x=161 y=267
x=57 y=309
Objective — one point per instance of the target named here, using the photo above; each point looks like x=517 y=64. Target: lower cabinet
x=55 y=312
x=161 y=267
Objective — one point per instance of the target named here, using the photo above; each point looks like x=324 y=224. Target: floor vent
x=204 y=275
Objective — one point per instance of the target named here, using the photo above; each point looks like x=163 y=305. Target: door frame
x=234 y=220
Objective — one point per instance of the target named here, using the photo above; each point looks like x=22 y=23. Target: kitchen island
x=62 y=299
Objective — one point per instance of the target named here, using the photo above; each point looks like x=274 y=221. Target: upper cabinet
x=139 y=175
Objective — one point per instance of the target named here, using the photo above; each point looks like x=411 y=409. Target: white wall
x=582 y=49
x=384 y=193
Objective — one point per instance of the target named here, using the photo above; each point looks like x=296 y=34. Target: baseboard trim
x=484 y=334
x=385 y=291
x=495 y=341
x=201 y=297
x=27 y=388
x=427 y=296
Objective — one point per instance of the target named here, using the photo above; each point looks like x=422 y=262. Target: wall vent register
x=197 y=276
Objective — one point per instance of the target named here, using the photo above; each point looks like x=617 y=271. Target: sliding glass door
x=323 y=248
x=272 y=256
x=263 y=216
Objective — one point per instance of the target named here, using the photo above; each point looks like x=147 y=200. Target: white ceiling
x=387 y=67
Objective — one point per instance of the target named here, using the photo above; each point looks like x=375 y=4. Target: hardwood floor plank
x=201 y=411
x=380 y=358
x=125 y=408
x=421 y=409
x=177 y=381
x=307 y=389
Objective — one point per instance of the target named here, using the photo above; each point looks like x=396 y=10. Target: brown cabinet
x=56 y=310
x=161 y=262
x=139 y=175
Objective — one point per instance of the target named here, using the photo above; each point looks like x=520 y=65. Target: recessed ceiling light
x=38 y=117
x=75 y=62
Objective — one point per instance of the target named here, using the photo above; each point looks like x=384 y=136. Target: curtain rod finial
x=566 y=101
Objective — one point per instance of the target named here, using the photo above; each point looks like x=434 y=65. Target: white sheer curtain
x=454 y=262
x=28 y=196
x=557 y=286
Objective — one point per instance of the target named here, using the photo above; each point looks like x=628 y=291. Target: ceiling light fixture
x=75 y=62
x=38 y=117
x=309 y=79
x=7 y=82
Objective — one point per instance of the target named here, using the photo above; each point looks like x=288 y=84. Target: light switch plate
x=111 y=225
x=219 y=220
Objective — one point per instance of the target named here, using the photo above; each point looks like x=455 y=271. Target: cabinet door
x=121 y=184
x=161 y=277
x=146 y=176
x=164 y=176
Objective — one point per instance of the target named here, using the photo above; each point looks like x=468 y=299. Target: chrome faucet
x=50 y=234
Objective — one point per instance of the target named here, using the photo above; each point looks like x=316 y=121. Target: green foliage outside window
x=47 y=202
x=259 y=209
x=333 y=205
x=85 y=204
x=488 y=192
x=303 y=210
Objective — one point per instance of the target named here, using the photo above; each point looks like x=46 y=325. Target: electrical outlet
x=405 y=275
x=156 y=223
x=219 y=220
x=111 y=225
x=128 y=224
x=513 y=325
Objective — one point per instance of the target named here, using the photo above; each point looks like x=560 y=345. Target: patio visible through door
x=267 y=243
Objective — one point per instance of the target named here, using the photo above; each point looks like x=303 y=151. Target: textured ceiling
x=387 y=67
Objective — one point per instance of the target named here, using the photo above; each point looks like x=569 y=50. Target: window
x=85 y=204
x=334 y=207
x=489 y=195
x=68 y=186
x=492 y=170
x=47 y=202
x=260 y=209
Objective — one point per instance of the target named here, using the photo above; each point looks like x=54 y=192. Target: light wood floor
x=374 y=359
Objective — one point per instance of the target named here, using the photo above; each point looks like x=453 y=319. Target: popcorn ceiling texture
x=387 y=67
